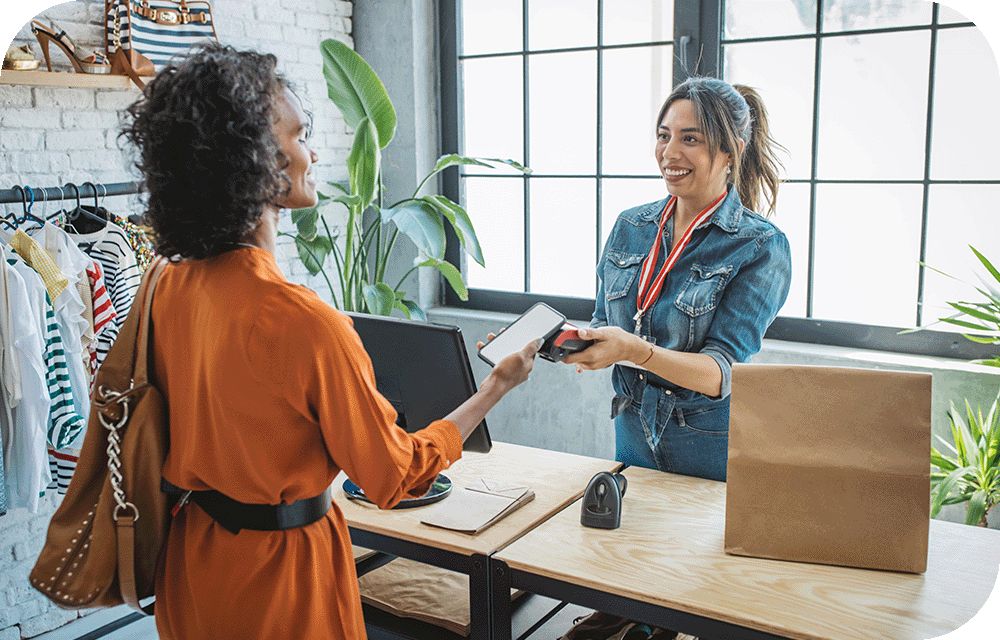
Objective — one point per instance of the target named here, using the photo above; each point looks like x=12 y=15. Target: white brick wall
x=50 y=136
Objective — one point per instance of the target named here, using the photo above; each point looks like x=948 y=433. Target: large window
x=884 y=107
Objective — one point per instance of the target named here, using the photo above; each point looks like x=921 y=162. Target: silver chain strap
x=114 y=449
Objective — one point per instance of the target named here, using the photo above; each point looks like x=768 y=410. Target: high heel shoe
x=96 y=63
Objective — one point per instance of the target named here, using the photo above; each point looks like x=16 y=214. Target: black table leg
x=500 y=616
x=479 y=598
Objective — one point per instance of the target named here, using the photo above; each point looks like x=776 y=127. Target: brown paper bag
x=830 y=465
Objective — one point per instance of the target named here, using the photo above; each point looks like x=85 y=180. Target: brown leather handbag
x=104 y=541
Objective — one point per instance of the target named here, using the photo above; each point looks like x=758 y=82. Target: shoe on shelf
x=96 y=62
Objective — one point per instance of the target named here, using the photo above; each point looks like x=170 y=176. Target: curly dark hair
x=209 y=160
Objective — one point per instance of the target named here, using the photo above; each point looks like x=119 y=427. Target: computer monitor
x=423 y=369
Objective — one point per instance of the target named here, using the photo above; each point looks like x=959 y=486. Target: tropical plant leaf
x=421 y=223
x=980 y=339
x=965 y=324
x=313 y=252
x=451 y=274
x=461 y=223
x=305 y=221
x=942 y=462
x=453 y=159
x=986 y=263
x=970 y=310
x=379 y=298
x=977 y=507
x=945 y=488
x=357 y=90
x=363 y=163
x=416 y=312
x=991 y=362
x=402 y=308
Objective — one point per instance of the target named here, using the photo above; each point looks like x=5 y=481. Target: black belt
x=234 y=516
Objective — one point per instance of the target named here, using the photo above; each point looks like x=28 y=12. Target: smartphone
x=537 y=322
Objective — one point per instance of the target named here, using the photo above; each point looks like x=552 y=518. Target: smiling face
x=692 y=172
x=291 y=129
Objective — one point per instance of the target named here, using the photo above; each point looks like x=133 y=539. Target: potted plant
x=362 y=250
x=969 y=471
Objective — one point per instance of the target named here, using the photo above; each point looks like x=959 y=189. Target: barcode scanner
x=602 y=501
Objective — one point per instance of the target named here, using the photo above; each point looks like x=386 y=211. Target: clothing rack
x=67 y=192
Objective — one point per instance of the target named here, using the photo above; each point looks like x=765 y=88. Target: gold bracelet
x=647 y=357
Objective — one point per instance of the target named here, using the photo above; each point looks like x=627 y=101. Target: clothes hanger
x=26 y=192
x=80 y=212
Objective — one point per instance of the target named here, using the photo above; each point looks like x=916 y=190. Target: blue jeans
x=693 y=443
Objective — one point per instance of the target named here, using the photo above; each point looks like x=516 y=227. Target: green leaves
x=971 y=471
x=421 y=224
x=453 y=160
x=452 y=275
x=379 y=298
x=461 y=223
x=363 y=163
x=313 y=252
x=356 y=90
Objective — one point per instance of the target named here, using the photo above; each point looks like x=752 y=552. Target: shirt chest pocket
x=701 y=292
x=620 y=271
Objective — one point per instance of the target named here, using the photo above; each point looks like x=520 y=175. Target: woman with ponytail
x=689 y=284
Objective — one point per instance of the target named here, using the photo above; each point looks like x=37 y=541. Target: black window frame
x=698 y=42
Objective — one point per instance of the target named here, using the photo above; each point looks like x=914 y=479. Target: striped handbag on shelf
x=142 y=36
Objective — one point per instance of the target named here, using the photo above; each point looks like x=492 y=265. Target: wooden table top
x=669 y=552
x=556 y=478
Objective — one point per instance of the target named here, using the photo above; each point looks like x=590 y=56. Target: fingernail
x=583 y=333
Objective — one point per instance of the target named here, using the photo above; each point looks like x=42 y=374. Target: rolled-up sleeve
x=749 y=304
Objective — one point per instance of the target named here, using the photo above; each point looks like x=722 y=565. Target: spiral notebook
x=476 y=507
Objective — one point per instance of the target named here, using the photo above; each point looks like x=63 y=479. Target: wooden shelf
x=65 y=79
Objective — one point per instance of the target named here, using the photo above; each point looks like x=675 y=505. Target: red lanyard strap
x=650 y=287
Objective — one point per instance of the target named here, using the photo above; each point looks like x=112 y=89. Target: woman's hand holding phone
x=515 y=368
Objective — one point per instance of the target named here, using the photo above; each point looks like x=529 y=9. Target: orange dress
x=271 y=394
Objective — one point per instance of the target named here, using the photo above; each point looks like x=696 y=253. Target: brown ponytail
x=728 y=114
x=758 y=165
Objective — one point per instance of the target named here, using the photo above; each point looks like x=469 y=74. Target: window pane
x=563 y=226
x=619 y=194
x=496 y=207
x=638 y=21
x=782 y=72
x=556 y=24
x=947 y=15
x=957 y=216
x=491 y=26
x=563 y=112
x=965 y=138
x=867 y=250
x=636 y=82
x=493 y=108
x=847 y=15
x=873 y=106
x=756 y=18
x=792 y=217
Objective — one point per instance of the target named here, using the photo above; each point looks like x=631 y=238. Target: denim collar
x=727 y=217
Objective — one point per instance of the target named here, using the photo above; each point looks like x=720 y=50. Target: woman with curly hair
x=270 y=393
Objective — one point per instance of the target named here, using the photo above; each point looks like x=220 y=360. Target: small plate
x=439 y=491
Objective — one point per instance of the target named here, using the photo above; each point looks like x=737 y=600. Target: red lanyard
x=650 y=287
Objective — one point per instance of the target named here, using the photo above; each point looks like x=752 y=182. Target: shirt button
x=642 y=377
x=668 y=392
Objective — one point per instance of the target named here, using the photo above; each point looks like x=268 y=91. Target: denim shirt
x=719 y=299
